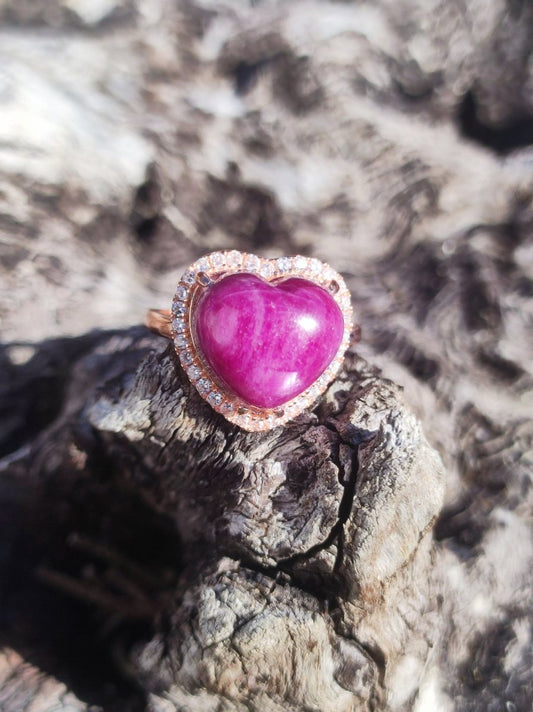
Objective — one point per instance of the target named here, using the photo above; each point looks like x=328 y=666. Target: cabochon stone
x=267 y=342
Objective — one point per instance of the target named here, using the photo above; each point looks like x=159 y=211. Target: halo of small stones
x=217 y=265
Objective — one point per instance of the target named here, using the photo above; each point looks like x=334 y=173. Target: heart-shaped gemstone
x=267 y=341
x=260 y=338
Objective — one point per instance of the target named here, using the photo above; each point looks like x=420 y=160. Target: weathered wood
x=23 y=686
x=341 y=504
x=289 y=541
x=154 y=557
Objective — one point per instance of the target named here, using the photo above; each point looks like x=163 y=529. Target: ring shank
x=158 y=321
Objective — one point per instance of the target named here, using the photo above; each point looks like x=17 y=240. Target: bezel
x=218 y=265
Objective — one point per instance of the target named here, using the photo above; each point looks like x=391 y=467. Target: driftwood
x=376 y=553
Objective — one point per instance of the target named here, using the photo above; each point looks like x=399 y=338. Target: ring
x=260 y=339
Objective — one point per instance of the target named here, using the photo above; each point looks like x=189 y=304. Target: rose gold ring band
x=158 y=321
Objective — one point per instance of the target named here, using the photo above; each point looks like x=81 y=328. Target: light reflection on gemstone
x=307 y=323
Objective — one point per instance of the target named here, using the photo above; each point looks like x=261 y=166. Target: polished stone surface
x=267 y=342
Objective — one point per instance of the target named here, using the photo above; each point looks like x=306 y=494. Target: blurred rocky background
x=393 y=139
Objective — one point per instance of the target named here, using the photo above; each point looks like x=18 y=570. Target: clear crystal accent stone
x=203 y=385
x=181 y=293
x=283 y=264
x=214 y=398
x=178 y=325
x=186 y=358
x=300 y=263
x=193 y=372
x=234 y=258
x=266 y=270
x=314 y=392
x=180 y=341
x=188 y=277
x=178 y=309
x=252 y=263
x=217 y=259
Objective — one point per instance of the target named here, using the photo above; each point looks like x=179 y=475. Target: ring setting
x=260 y=339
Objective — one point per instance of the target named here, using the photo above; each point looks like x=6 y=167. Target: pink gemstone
x=268 y=342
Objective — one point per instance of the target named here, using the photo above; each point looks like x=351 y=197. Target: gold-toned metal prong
x=203 y=279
